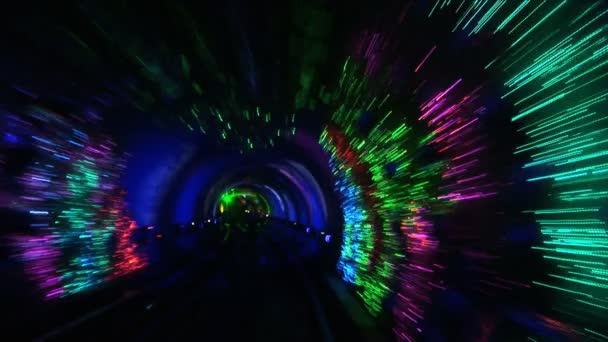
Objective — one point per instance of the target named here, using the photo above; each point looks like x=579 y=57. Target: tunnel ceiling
x=239 y=76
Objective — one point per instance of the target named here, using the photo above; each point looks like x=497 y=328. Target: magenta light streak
x=449 y=146
x=371 y=45
x=40 y=258
x=450 y=110
x=448 y=196
x=430 y=111
x=471 y=178
x=453 y=173
x=405 y=337
x=92 y=149
x=425 y=58
x=429 y=103
x=468 y=153
x=463 y=126
x=473 y=196
x=418 y=235
x=480 y=110
x=443 y=127
x=449 y=89
x=446 y=136
x=437 y=99
x=437 y=285
x=415 y=313
x=54 y=293
x=422 y=268
x=410 y=318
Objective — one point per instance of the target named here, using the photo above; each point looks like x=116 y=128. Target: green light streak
x=539 y=106
x=539 y=22
x=596 y=333
x=512 y=15
x=528 y=16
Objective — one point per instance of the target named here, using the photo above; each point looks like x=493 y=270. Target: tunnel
x=399 y=170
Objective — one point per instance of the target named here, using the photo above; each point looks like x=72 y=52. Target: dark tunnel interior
x=304 y=170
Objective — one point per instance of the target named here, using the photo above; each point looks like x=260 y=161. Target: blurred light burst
x=406 y=127
x=555 y=77
x=70 y=189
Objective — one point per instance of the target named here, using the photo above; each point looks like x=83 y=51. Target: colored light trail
x=559 y=90
x=557 y=85
x=406 y=134
x=71 y=192
x=387 y=192
x=244 y=130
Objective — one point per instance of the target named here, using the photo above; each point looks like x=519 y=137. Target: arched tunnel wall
x=172 y=180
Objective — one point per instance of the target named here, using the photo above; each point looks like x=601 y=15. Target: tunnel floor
x=238 y=289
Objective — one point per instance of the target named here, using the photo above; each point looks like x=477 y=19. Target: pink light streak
x=444 y=93
x=471 y=178
x=448 y=146
x=473 y=196
x=425 y=58
x=444 y=113
x=463 y=126
x=468 y=153
x=443 y=128
x=430 y=111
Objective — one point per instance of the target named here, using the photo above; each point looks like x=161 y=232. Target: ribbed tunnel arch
x=175 y=181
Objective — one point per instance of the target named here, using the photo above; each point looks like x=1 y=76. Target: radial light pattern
x=554 y=74
x=71 y=193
